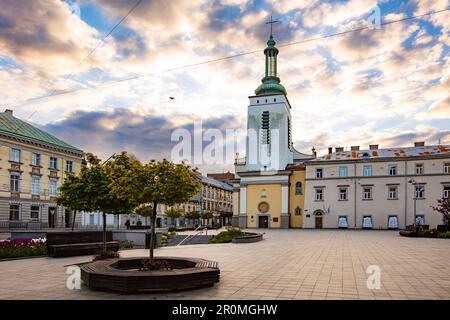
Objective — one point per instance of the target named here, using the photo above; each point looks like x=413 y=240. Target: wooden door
x=318 y=222
x=263 y=221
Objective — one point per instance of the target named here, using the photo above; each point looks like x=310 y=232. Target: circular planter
x=248 y=237
x=122 y=275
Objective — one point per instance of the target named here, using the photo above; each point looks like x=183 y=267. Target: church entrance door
x=318 y=222
x=263 y=222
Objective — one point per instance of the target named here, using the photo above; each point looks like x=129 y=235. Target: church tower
x=264 y=194
x=269 y=145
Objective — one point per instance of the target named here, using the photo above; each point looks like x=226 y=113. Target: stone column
x=284 y=223
x=243 y=208
x=235 y=219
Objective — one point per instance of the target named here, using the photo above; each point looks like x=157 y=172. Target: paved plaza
x=288 y=264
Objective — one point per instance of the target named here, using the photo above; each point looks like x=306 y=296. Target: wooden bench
x=77 y=243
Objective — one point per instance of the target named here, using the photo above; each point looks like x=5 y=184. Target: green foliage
x=126 y=245
x=17 y=252
x=226 y=236
x=153 y=183
x=433 y=233
x=207 y=215
x=192 y=215
x=173 y=213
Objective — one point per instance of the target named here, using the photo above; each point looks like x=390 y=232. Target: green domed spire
x=270 y=83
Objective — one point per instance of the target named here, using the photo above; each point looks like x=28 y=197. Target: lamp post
x=414 y=184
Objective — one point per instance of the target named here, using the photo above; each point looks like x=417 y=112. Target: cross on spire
x=271 y=22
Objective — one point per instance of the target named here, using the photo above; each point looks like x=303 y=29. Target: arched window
x=298 y=211
x=298 y=188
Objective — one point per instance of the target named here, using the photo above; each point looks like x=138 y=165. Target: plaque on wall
x=275 y=219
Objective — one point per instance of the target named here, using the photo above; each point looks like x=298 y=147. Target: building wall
x=25 y=199
x=379 y=207
x=296 y=200
x=273 y=198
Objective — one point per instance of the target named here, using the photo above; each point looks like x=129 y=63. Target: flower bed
x=22 y=248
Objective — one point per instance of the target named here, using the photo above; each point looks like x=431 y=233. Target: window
x=52 y=187
x=343 y=172
x=392 y=169
x=342 y=222
x=343 y=194
x=298 y=188
x=367 y=193
x=446 y=192
x=53 y=163
x=15 y=183
x=34 y=213
x=419 y=168
x=35 y=185
x=15 y=155
x=367 y=222
x=14 y=212
x=447 y=167
x=298 y=211
x=392 y=193
x=420 y=219
x=35 y=159
x=319 y=173
x=367 y=171
x=392 y=222
x=69 y=166
x=319 y=194
x=419 y=192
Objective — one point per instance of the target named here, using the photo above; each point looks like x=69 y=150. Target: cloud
x=44 y=35
x=148 y=136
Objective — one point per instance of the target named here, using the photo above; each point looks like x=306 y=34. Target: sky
x=387 y=86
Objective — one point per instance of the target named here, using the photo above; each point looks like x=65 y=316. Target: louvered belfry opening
x=265 y=126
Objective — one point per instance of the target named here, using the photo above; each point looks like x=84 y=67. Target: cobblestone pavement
x=288 y=264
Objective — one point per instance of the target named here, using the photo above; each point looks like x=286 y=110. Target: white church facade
x=280 y=187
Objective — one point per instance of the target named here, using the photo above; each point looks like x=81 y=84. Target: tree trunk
x=153 y=233
x=104 y=233
x=74 y=216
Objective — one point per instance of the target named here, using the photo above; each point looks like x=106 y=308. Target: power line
x=99 y=44
x=321 y=37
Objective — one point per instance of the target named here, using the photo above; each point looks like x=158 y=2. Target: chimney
x=373 y=147
x=9 y=111
x=419 y=144
x=330 y=150
x=314 y=152
x=355 y=148
x=339 y=149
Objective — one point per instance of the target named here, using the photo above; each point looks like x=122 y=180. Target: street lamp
x=416 y=192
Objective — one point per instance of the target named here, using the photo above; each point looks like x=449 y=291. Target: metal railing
x=191 y=236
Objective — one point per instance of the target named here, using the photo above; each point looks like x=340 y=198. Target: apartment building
x=376 y=188
x=33 y=164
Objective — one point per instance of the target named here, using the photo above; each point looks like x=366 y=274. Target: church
x=277 y=186
x=271 y=177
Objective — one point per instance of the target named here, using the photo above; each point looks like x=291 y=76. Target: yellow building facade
x=33 y=164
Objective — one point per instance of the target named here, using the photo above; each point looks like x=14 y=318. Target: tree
x=96 y=179
x=206 y=215
x=73 y=195
x=192 y=215
x=173 y=213
x=443 y=208
x=156 y=183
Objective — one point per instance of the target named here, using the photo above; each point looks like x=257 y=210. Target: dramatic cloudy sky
x=389 y=86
